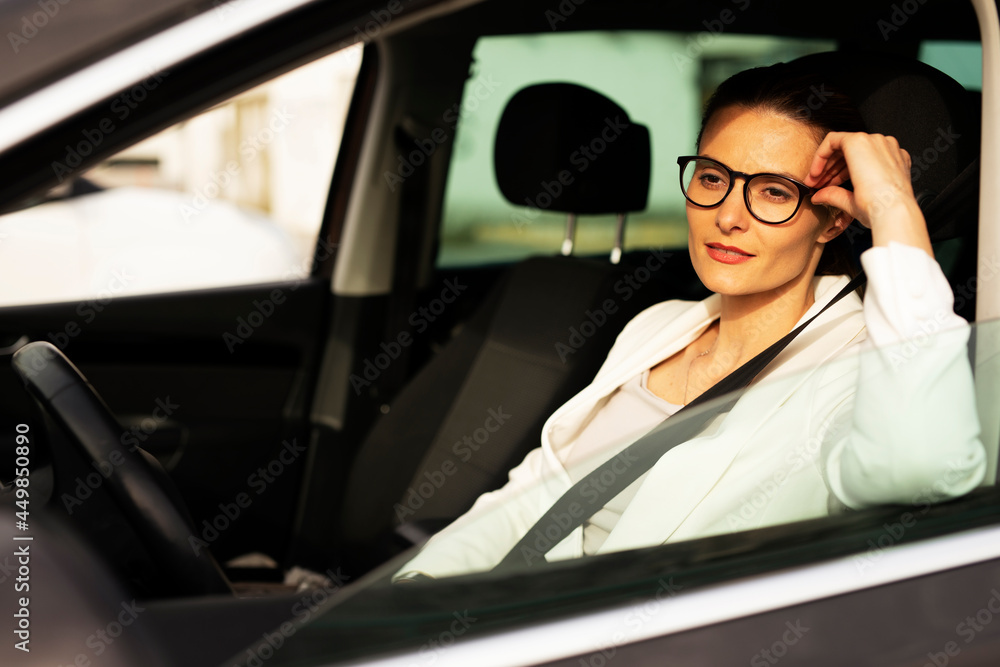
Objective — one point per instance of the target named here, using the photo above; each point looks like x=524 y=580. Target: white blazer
x=821 y=430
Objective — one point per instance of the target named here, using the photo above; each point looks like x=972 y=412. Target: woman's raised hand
x=883 y=197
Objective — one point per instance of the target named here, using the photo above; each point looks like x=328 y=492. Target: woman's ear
x=836 y=224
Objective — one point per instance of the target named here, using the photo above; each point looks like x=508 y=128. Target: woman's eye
x=710 y=180
x=775 y=193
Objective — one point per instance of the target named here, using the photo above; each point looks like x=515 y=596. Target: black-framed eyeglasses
x=770 y=198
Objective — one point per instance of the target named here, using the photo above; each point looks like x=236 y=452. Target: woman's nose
x=732 y=214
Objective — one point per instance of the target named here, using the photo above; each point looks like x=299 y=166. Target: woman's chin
x=725 y=282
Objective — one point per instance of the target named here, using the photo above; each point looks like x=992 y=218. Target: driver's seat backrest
x=476 y=409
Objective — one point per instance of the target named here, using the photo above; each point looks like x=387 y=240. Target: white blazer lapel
x=686 y=474
x=658 y=333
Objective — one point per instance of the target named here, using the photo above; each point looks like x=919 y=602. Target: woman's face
x=733 y=252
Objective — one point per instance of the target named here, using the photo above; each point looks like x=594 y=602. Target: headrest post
x=567 y=244
x=616 y=251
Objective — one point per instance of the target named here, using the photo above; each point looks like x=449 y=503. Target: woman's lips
x=727 y=254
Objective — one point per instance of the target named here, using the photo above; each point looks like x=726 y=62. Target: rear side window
x=661 y=80
x=962 y=61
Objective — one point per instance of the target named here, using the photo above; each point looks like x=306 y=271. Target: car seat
x=478 y=406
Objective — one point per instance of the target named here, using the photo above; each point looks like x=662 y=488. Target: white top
x=624 y=416
x=822 y=428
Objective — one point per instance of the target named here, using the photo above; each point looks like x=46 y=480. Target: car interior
x=338 y=433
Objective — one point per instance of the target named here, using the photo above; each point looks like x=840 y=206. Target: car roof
x=43 y=49
x=865 y=21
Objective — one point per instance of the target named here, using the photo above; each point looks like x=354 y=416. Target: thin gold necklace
x=687 y=379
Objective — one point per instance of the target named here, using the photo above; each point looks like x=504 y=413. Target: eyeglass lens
x=771 y=198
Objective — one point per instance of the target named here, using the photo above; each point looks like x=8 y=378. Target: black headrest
x=564 y=147
x=926 y=110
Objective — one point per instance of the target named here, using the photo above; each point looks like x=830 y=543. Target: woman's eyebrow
x=714 y=159
x=766 y=171
x=788 y=175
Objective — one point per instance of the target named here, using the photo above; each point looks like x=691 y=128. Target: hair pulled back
x=802 y=95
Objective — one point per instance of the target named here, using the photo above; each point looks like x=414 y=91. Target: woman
x=766 y=213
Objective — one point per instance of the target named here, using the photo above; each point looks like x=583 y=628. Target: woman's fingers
x=835 y=173
x=838 y=198
x=876 y=165
x=828 y=161
x=882 y=196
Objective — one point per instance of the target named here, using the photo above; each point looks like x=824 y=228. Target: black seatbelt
x=581 y=502
x=948 y=211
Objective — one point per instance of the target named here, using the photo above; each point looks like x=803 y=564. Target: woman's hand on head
x=883 y=197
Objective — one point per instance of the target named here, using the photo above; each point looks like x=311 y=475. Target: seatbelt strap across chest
x=647 y=450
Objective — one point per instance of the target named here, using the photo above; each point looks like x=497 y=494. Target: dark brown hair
x=808 y=97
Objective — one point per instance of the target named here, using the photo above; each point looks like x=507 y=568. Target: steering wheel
x=138 y=485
